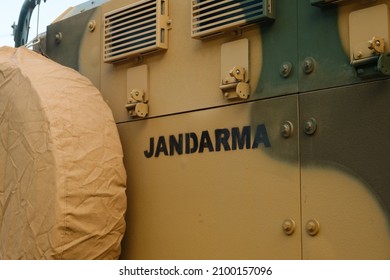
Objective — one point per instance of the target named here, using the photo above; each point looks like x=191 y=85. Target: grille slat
x=225 y=17
x=324 y=3
x=146 y=36
x=210 y=17
x=131 y=34
x=134 y=30
x=212 y=8
x=127 y=48
x=223 y=12
x=129 y=18
x=129 y=10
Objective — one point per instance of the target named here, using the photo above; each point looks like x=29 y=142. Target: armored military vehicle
x=250 y=129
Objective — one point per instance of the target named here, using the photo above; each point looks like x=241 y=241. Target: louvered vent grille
x=322 y=3
x=212 y=17
x=135 y=30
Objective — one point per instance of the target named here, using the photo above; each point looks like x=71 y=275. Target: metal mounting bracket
x=235 y=69
x=137 y=91
x=368 y=39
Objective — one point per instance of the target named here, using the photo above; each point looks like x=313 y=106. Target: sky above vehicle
x=48 y=12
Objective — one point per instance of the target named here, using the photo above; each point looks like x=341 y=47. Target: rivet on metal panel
x=58 y=38
x=312 y=227
x=310 y=126
x=288 y=226
x=287 y=129
x=285 y=69
x=308 y=65
x=92 y=25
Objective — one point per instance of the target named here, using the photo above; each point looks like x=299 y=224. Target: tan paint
x=219 y=205
x=185 y=77
x=180 y=209
x=351 y=206
x=90 y=58
x=343 y=20
x=353 y=225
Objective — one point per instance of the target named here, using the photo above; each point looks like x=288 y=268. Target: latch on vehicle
x=235 y=84
x=137 y=91
x=368 y=32
x=136 y=103
x=235 y=69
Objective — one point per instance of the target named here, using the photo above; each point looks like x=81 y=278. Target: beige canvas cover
x=62 y=179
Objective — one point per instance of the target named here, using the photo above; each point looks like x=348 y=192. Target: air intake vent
x=213 y=17
x=135 y=30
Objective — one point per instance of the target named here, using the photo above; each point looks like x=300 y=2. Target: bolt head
x=91 y=26
x=312 y=227
x=286 y=130
x=288 y=226
x=58 y=38
x=310 y=126
x=308 y=65
x=285 y=69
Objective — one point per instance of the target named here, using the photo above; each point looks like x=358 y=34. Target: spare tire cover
x=62 y=179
